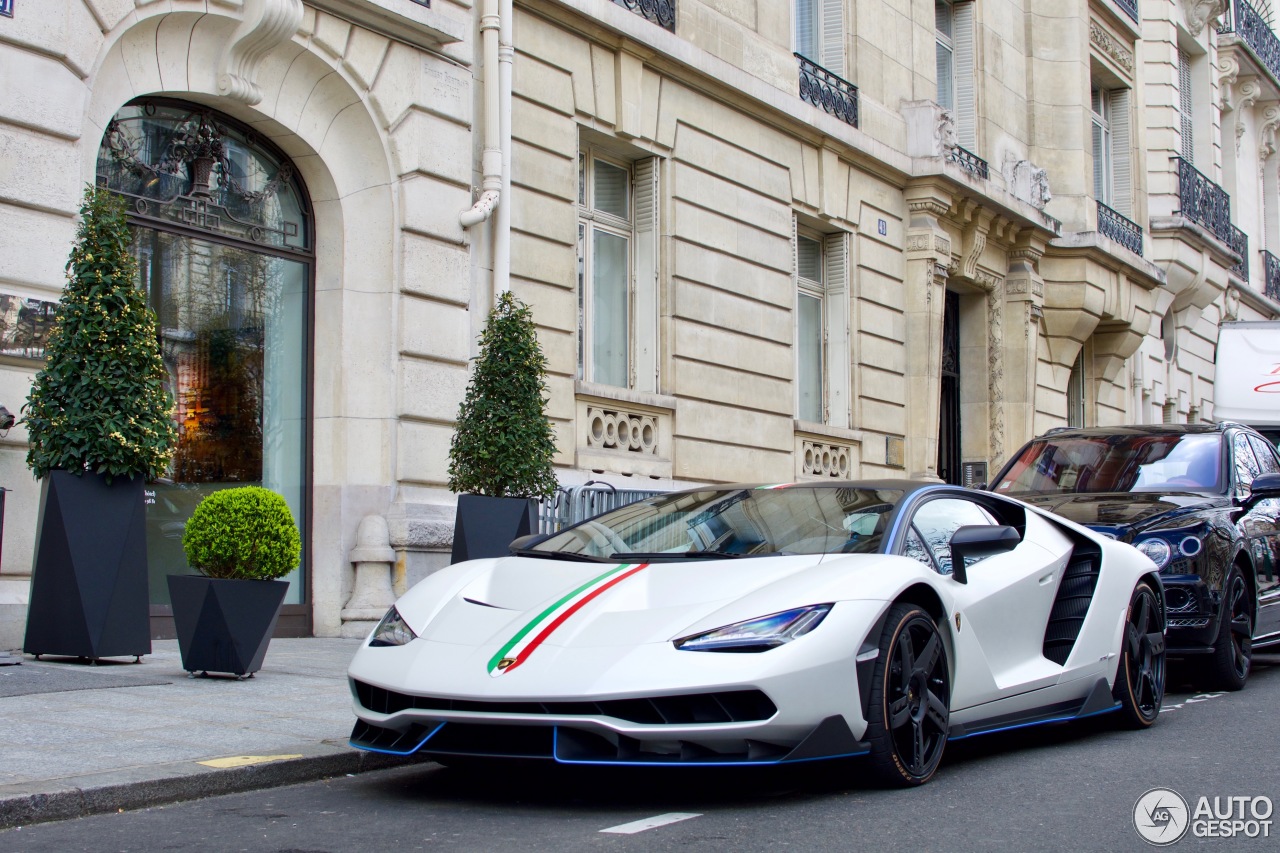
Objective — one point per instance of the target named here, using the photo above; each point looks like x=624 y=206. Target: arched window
x=222 y=233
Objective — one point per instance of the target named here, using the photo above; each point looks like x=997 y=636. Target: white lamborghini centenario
x=767 y=625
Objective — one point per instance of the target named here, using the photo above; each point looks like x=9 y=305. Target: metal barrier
x=578 y=503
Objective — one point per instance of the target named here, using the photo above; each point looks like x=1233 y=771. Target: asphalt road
x=1062 y=787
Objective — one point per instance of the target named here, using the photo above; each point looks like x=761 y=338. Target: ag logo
x=1161 y=816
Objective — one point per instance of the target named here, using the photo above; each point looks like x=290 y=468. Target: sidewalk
x=78 y=739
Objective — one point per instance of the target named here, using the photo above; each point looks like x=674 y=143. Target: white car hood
x=486 y=602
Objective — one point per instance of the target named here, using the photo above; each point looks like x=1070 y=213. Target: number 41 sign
x=6 y=8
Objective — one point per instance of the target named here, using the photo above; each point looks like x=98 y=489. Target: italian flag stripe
x=518 y=648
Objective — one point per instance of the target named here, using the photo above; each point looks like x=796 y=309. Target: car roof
x=903 y=485
x=1141 y=430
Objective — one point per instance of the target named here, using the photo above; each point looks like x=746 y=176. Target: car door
x=1262 y=526
x=1000 y=613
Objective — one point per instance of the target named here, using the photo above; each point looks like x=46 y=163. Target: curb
x=142 y=787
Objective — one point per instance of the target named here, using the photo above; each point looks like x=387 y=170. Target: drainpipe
x=495 y=32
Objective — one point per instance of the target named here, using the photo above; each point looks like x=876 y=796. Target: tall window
x=1112 y=181
x=820 y=33
x=810 y=329
x=1185 y=108
x=821 y=328
x=617 y=271
x=221 y=231
x=953 y=34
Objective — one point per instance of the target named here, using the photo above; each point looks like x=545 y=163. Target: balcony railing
x=660 y=12
x=1239 y=243
x=1272 y=264
x=1120 y=228
x=825 y=90
x=1130 y=8
x=1242 y=19
x=1203 y=201
x=970 y=162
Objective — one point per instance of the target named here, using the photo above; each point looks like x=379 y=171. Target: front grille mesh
x=731 y=706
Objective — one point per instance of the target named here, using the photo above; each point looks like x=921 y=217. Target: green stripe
x=502 y=653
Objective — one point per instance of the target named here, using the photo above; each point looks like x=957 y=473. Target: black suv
x=1203 y=502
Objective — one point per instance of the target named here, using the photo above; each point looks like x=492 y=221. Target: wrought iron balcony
x=1239 y=243
x=1204 y=202
x=1272 y=264
x=1130 y=8
x=970 y=162
x=1120 y=228
x=825 y=90
x=1243 y=20
x=660 y=12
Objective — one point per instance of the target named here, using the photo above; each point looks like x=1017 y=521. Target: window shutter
x=1185 y=107
x=966 y=94
x=1099 y=163
x=645 y=311
x=1121 y=156
x=838 y=355
x=833 y=36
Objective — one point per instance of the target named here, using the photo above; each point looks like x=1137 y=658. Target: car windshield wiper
x=560 y=555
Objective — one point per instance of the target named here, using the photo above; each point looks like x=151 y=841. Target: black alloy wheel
x=1140 y=677
x=910 y=704
x=1228 y=666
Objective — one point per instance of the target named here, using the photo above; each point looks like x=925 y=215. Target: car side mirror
x=979 y=540
x=524 y=543
x=1264 y=487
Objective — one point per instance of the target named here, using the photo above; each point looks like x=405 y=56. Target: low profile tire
x=1228 y=667
x=910 y=708
x=1141 y=675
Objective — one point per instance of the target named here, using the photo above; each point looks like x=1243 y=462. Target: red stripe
x=559 y=620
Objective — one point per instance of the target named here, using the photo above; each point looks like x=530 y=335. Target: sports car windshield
x=720 y=523
x=1116 y=463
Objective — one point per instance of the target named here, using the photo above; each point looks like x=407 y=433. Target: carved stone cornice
x=266 y=25
x=1201 y=13
x=1110 y=47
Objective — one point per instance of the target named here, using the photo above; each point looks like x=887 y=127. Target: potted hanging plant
x=500 y=458
x=241 y=540
x=99 y=424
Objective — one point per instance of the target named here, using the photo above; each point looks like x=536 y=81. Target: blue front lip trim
x=421 y=743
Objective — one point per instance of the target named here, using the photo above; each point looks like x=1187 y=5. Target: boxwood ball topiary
x=246 y=532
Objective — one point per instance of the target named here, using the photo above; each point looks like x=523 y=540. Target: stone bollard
x=372 y=595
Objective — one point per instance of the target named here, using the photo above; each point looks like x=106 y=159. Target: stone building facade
x=763 y=240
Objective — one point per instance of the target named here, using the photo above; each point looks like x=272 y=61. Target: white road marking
x=1191 y=700
x=649 y=823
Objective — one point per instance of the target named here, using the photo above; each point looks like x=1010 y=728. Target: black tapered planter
x=224 y=625
x=485 y=525
x=89 y=581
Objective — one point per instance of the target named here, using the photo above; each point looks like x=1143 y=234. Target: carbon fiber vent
x=1071 y=604
x=733 y=706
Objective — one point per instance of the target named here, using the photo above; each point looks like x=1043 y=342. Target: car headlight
x=1157 y=550
x=757 y=635
x=392 y=630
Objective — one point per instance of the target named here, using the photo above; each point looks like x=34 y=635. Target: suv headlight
x=392 y=630
x=757 y=635
x=1157 y=550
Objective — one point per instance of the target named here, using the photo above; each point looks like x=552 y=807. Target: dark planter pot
x=89 y=582
x=485 y=525
x=224 y=625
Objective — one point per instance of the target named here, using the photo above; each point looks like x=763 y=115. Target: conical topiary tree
x=504 y=444
x=100 y=403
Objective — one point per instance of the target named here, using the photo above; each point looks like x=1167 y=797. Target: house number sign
x=6 y=8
